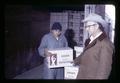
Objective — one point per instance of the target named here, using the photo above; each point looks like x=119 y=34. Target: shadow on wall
x=69 y=34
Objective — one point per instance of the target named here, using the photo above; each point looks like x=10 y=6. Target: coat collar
x=100 y=38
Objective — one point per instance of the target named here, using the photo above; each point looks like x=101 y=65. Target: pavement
x=35 y=73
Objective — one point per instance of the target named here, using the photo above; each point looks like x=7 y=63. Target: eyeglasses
x=88 y=26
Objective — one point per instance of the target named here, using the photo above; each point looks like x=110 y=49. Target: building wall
x=24 y=28
x=61 y=17
x=72 y=20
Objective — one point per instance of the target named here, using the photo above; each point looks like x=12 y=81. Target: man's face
x=56 y=32
x=91 y=27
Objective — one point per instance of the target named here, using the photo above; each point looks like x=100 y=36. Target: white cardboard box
x=71 y=72
x=78 y=50
x=61 y=57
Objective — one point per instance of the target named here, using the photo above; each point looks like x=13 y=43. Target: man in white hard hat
x=96 y=60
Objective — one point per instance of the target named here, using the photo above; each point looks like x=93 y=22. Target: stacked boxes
x=62 y=57
x=71 y=72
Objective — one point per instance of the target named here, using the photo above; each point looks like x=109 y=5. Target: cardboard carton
x=61 y=57
x=71 y=72
x=78 y=50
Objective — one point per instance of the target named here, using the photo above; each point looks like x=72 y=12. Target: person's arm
x=77 y=59
x=43 y=45
x=42 y=49
x=105 y=63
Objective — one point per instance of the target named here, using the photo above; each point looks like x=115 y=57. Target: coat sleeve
x=42 y=46
x=77 y=59
x=105 y=61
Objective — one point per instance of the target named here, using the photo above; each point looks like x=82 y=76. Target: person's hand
x=72 y=62
x=47 y=54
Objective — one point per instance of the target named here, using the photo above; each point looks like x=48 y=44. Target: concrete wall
x=24 y=28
